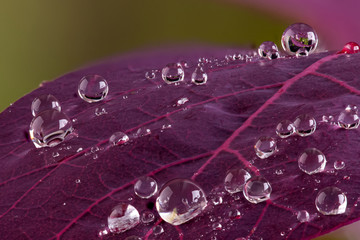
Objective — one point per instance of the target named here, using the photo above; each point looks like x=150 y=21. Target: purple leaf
x=68 y=191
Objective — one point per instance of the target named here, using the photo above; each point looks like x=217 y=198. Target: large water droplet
x=257 y=190
x=265 y=147
x=118 y=138
x=339 y=164
x=331 y=201
x=49 y=128
x=172 y=73
x=147 y=217
x=122 y=218
x=44 y=102
x=199 y=76
x=299 y=39
x=349 y=118
x=312 y=161
x=351 y=48
x=93 y=88
x=180 y=200
x=303 y=216
x=235 y=180
x=285 y=129
x=268 y=50
x=305 y=125
x=145 y=187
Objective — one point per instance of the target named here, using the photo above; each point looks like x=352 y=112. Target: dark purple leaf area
x=70 y=196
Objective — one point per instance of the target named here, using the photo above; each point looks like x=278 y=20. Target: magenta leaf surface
x=68 y=191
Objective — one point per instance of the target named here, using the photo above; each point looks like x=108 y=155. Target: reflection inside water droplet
x=305 y=125
x=44 y=102
x=265 y=147
x=285 y=129
x=122 y=218
x=93 y=88
x=312 y=161
x=349 y=119
x=331 y=201
x=172 y=73
x=199 y=76
x=145 y=187
x=257 y=190
x=268 y=50
x=235 y=180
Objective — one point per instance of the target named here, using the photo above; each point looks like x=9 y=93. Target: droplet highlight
x=199 y=76
x=49 y=128
x=179 y=201
x=145 y=187
x=122 y=218
x=235 y=180
x=331 y=201
x=268 y=50
x=265 y=147
x=312 y=161
x=118 y=138
x=172 y=73
x=93 y=88
x=285 y=129
x=43 y=103
x=257 y=189
x=299 y=39
x=305 y=125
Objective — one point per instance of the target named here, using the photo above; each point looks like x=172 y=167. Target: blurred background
x=41 y=40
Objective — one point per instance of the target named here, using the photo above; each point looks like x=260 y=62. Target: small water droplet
x=257 y=190
x=234 y=214
x=44 y=102
x=282 y=234
x=331 y=201
x=279 y=172
x=77 y=181
x=182 y=101
x=212 y=218
x=123 y=217
x=216 y=226
x=172 y=73
x=303 y=216
x=305 y=125
x=147 y=217
x=349 y=119
x=157 y=230
x=55 y=154
x=79 y=149
x=339 y=164
x=299 y=39
x=118 y=138
x=268 y=50
x=150 y=74
x=351 y=48
x=346 y=177
x=93 y=88
x=312 y=161
x=179 y=201
x=216 y=200
x=265 y=147
x=235 y=180
x=199 y=76
x=145 y=187
x=49 y=128
x=285 y=129
x=184 y=64
x=100 y=111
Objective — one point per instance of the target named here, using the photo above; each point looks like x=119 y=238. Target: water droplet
x=303 y=216
x=265 y=147
x=349 y=118
x=133 y=238
x=44 y=102
x=339 y=164
x=55 y=154
x=118 y=138
x=199 y=76
x=49 y=128
x=150 y=74
x=234 y=214
x=77 y=181
x=351 y=48
x=305 y=125
x=180 y=200
x=282 y=234
x=93 y=88
x=235 y=180
x=122 y=218
x=216 y=226
x=94 y=149
x=172 y=73
x=184 y=64
x=312 y=161
x=147 y=217
x=268 y=50
x=216 y=200
x=331 y=201
x=285 y=129
x=145 y=187
x=95 y=156
x=299 y=39
x=182 y=101
x=100 y=111
x=279 y=172
x=257 y=190
x=157 y=230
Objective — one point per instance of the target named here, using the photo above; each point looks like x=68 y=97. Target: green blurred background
x=41 y=39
